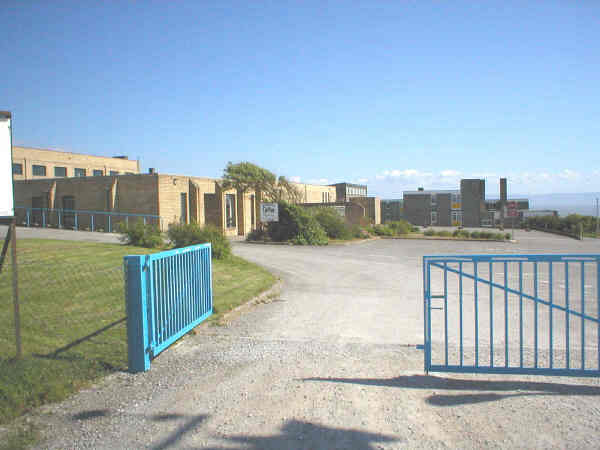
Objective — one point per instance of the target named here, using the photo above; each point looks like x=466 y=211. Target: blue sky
x=395 y=94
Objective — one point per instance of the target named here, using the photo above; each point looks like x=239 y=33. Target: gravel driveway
x=332 y=363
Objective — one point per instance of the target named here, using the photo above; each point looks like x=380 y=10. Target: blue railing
x=526 y=314
x=78 y=219
x=167 y=294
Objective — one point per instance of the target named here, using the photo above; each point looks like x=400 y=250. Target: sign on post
x=269 y=212
x=6 y=177
x=511 y=209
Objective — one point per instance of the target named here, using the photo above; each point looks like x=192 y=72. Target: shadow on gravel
x=91 y=414
x=297 y=434
x=171 y=441
x=523 y=388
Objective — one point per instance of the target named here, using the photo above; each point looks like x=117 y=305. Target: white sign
x=269 y=212
x=6 y=177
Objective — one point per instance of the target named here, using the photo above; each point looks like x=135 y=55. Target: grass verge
x=73 y=322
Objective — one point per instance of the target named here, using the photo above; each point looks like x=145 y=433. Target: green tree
x=245 y=176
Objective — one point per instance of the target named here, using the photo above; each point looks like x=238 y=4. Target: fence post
x=138 y=342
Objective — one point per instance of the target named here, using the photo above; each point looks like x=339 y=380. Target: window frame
x=60 y=167
x=37 y=167
x=81 y=170
x=20 y=166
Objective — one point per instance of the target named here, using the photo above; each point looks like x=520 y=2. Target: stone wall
x=28 y=157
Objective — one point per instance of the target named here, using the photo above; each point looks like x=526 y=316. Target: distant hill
x=583 y=203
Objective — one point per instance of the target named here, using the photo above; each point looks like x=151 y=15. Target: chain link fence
x=71 y=302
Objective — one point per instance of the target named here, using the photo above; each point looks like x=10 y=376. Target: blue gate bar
x=535 y=311
x=446 y=311
x=516 y=292
x=531 y=364
x=177 y=296
x=460 y=299
x=425 y=310
x=567 y=312
x=582 y=312
x=521 y=313
x=551 y=310
x=505 y=314
x=491 y=315
x=476 y=314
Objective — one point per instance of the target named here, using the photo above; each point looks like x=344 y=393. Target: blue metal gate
x=518 y=314
x=168 y=294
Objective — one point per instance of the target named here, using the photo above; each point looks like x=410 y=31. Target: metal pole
x=15 y=283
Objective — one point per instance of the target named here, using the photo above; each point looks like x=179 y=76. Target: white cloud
x=568 y=174
x=318 y=181
x=295 y=179
x=450 y=173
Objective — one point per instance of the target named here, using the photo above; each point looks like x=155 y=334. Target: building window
x=60 y=171
x=114 y=172
x=98 y=173
x=455 y=201
x=79 y=172
x=456 y=218
x=184 y=207
x=38 y=171
x=433 y=200
x=230 y=210
x=433 y=217
x=17 y=169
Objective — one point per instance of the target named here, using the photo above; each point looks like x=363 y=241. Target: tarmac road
x=331 y=363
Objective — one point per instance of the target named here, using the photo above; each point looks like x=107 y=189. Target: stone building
x=174 y=198
x=35 y=164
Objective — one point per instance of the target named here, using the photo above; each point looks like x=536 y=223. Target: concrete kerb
x=442 y=238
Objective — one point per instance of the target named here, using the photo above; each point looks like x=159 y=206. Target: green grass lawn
x=73 y=322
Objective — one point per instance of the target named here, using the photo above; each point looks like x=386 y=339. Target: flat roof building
x=465 y=207
x=36 y=163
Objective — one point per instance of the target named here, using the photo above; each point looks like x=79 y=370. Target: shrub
x=296 y=225
x=415 y=229
x=383 y=230
x=400 y=227
x=140 y=235
x=444 y=233
x=475 y=235
x=507 y=236
x=333 y=224
x=185 y=234
x=429 y=232
x=357 y=232
x=257 y=235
